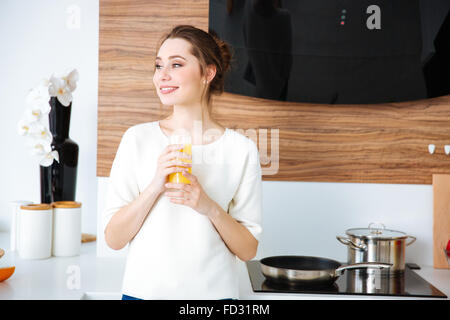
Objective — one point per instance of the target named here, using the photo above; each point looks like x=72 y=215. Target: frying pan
x=308 y=271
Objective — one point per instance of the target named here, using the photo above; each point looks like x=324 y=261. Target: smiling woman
x=184 y=238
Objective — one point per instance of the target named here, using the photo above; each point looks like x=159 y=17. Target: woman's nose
x=164 y=74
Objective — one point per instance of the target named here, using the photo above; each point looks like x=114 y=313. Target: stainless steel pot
x=377 y=244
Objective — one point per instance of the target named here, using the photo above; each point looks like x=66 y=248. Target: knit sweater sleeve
x=122 y=184
x=246 y=205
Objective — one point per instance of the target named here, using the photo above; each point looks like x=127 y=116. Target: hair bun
x=225 y=51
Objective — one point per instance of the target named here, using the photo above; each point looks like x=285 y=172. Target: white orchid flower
x=40 y=147
x=37 y=113
x=48 y=158
x=71 y=79
x=23 y=127
x=34 y=129
x=39 y=94
x=41 y=132
x=38 y=100
x=58 y=88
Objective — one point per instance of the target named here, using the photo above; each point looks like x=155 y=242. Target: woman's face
x=177 y=76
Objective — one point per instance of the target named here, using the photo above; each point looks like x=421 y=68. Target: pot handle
x=351 y=244
x=363 y=265
x=413 y=239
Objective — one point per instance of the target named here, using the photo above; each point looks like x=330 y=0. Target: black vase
x=59 y=181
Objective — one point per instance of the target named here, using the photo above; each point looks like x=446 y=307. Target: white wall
x=299 y=217
x=38 y=38
x=304 y=218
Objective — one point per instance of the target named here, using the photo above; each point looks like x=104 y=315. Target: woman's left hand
x=191 y=195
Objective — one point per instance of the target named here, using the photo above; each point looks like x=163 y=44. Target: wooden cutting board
x=441 y=219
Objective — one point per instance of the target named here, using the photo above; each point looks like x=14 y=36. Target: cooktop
x=352 y=282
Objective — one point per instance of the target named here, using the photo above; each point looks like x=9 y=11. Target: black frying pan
x=308 y=271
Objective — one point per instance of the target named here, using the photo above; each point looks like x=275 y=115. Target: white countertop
x=56 y=278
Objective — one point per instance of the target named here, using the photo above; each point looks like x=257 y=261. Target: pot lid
x=376 y=231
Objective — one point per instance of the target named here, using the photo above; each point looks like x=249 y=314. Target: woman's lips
x=167 y=90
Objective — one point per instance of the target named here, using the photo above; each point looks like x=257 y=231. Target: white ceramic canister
x=66 y=228
x=35 y=231
x=15 y=210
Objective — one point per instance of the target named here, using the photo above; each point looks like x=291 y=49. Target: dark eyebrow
x=171 y=57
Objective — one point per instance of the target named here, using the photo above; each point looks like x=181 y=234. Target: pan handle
x=362 y=265
x=412 y=240
x=351 y=244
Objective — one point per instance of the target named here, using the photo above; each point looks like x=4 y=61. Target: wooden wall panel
x=380 y=143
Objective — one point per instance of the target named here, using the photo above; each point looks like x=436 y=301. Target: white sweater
x=178 y=253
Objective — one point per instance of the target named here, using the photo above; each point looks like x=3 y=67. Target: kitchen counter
x=59 y=278
x=89 y=277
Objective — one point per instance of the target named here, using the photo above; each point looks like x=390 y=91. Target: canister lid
x=376 y=232
x=66 y=204
x=38 y=206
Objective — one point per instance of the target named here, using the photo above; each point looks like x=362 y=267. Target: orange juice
x=178 y=177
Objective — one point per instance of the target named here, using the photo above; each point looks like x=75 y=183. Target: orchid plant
x=34 y=123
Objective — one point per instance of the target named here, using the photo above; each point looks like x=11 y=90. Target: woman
x=184 y=238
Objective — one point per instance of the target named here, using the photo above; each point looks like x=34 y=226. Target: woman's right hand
x=169 y=162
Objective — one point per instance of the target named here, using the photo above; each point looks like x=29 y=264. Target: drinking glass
x=186 y=141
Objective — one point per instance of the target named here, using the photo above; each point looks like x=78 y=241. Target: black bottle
x=59 y=181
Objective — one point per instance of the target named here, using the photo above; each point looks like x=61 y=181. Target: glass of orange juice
x=185 y=140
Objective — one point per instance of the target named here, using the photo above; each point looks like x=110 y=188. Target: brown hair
x=209 y=50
